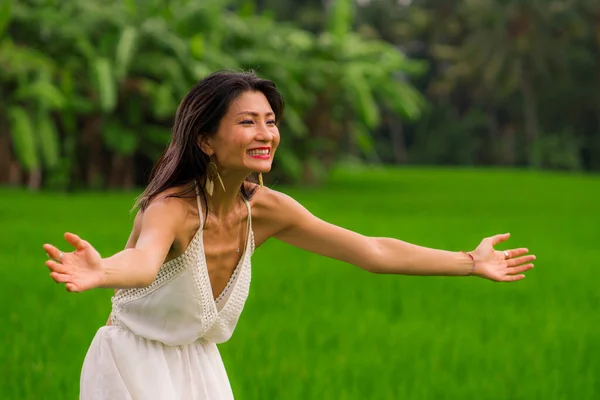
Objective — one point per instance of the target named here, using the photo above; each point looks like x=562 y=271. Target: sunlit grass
x=315 y=328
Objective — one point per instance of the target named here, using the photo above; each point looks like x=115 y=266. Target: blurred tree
x=89 y=88
x=511 y=82
x=92 y=103
x=510 y=48
x=29 y=96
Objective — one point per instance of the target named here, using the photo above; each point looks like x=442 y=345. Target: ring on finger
x=506 y=254
x=60 y=256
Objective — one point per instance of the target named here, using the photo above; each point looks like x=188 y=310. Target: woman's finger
x=52 y=251
x=499 y=238
x=71 y=287
x=75 y=241
x=513 y=262
x=517 y=252
x=56 y=267
x=512 y=278
x=519 y=269
x=60 y=278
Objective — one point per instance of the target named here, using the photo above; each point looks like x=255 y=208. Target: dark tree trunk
x=10 y=170
x=121 y=175
x=5 y=153
x=91 y=148
x=531 y=121
x=34 y=181
x=396 y=129
x=325 y=130
x=509 y=156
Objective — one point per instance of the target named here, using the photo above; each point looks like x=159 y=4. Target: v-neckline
x=232 y=277
x=240 y=263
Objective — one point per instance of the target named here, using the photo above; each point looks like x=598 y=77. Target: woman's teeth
x=258 y=152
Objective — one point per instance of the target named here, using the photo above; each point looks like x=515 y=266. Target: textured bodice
x=178 y=308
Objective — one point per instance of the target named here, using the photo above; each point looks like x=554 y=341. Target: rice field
x=315 y=328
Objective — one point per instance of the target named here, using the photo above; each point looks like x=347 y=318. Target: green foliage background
x=89 y=87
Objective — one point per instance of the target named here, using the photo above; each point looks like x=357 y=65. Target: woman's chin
x=261 y=168
x=263 y=171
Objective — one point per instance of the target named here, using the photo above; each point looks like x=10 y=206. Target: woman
x=185 y=273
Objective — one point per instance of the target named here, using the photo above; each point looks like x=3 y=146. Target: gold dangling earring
x=260 y=180
x=212 y=174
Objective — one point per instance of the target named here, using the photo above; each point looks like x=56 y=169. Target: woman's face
x=247 y=137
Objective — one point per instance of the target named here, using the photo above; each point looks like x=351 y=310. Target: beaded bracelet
x=472 y=259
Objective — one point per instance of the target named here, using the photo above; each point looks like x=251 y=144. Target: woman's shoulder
x=267 y=202
x=176 y=202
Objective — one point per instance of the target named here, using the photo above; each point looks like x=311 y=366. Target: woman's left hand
x=500 y=266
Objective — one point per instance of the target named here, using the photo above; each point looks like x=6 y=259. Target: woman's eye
x=247 y=121
x=271 y=122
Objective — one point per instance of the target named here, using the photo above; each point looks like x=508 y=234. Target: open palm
x=500 y=266
x=79 y=270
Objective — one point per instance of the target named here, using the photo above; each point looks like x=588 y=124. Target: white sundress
x=163 y=341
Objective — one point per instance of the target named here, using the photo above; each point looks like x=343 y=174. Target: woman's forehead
x=253 y=103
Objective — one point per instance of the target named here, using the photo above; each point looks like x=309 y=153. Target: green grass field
x=314 y=328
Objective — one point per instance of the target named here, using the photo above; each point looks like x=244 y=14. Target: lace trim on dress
x=236 y=272
x=166 y=273
x=168 y=270
x=234 y=304
x=227 y=288
x=220 y=315
x=248 y=250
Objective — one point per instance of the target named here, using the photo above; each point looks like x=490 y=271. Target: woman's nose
x=264 y=133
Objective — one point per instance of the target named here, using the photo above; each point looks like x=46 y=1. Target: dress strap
x=199 y=204
x=249 y=214
x=249 y=232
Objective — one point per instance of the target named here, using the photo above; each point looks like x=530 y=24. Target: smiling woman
x=233 y=113
x=183 y=281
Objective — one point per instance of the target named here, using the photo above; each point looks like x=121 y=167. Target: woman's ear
x=205 y=146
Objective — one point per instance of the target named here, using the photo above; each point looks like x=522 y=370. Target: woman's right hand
x=79 y=270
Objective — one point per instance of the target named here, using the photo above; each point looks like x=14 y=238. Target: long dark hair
x=199 y=114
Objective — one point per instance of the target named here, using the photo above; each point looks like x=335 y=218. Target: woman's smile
x=261 y=153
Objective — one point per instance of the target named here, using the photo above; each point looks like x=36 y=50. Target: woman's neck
x=223 y=202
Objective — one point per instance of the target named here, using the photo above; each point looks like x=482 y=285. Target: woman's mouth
x=262 y=153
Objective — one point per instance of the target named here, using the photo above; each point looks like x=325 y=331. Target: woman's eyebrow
x=255 y=114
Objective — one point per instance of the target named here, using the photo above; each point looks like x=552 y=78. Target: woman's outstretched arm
x=84 y=268
x=298 y=227
x=131 y=242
